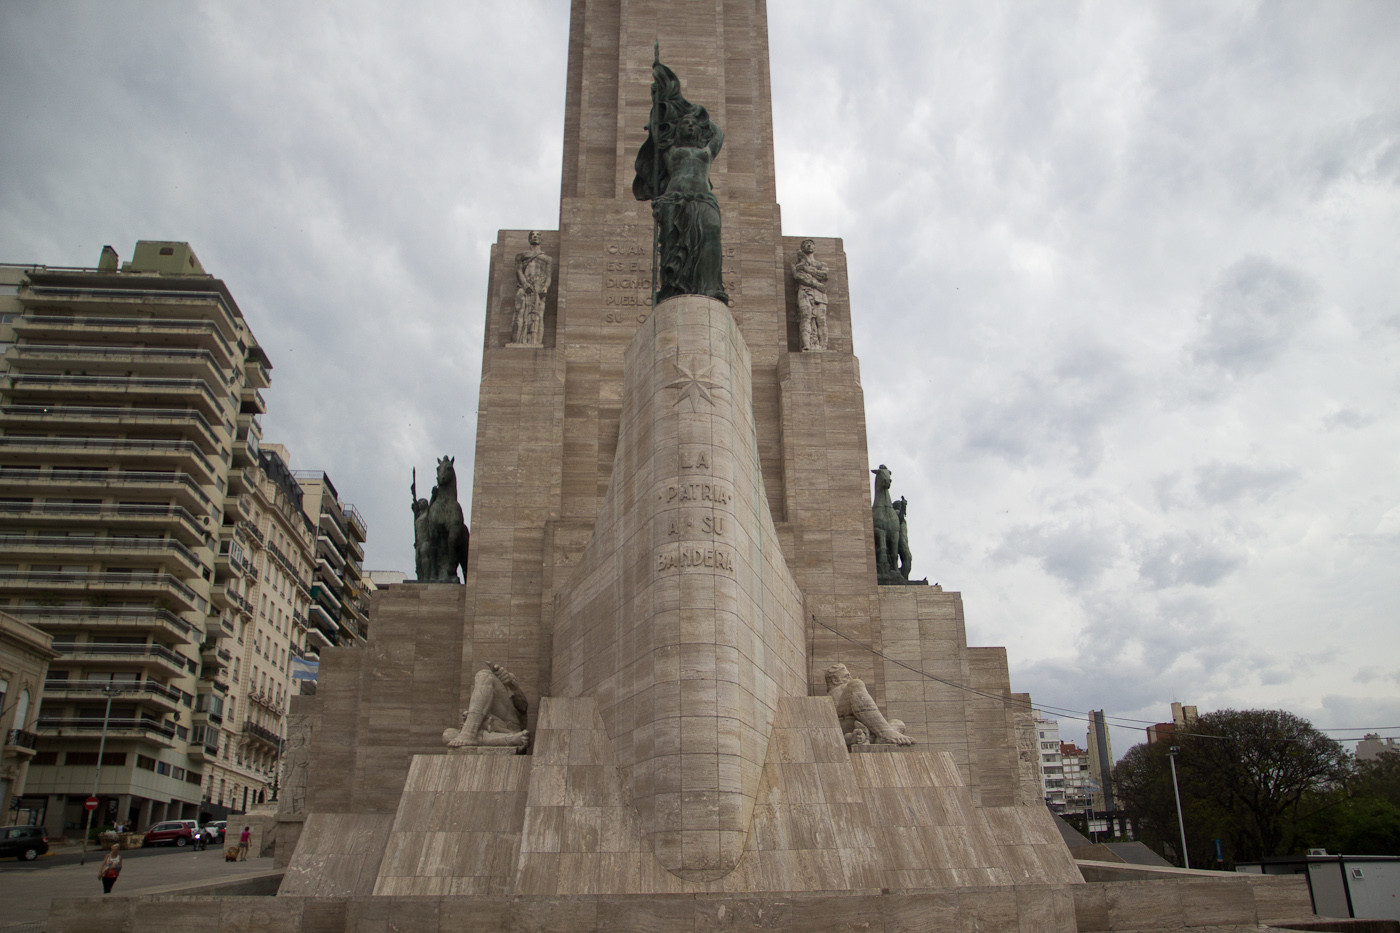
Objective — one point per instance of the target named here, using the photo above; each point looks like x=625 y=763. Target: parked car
x=176 y=832
x=216 y=831
x=23 y=842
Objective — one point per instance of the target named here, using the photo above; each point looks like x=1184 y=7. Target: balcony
x=51 y=482
x=325 y=600
x=239 y=508
x=118 y=359
x=140 y=657
x=173 y=298
x=163 y=697
x=185 y=420
x=21 y=743
x=204 y=742
x=149 y=730
x=120 y=517
x=112 y=548
x=142 y=331
x=323 y=632
x=89 y=583
x=358 y=531
x=215 y=659
x=130 y=452
x=266 y=701
x=252 y=530
x=254 y=731
x=252 y=402
x=120 y=388
x=115 y=619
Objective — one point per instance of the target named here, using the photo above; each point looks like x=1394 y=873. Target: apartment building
x=1074 y=764
x=1183 y=718
x=129 y=400
x=273 y=551
x=339 y=609
x=1052 y=781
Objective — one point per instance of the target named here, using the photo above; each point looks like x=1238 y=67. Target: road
x=27 y=888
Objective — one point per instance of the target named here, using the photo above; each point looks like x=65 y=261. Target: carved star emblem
x=694 y=383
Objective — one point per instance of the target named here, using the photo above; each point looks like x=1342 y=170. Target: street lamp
x=1180 y=821
x=111 y=690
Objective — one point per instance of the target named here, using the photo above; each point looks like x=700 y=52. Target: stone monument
x=741 y=725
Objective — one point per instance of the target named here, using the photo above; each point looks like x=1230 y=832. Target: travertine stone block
x=337 y=855
x=682 y=618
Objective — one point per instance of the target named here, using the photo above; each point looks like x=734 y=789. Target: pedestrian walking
x=244 y=839
x=111 y=867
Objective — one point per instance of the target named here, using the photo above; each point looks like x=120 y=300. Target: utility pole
x=111 y=690
x=1180 y=820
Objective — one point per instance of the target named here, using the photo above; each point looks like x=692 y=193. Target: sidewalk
x=26 y=893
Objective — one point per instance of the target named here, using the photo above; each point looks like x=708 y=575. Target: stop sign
x=90 y=803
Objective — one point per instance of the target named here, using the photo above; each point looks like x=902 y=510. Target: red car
x=171 y=832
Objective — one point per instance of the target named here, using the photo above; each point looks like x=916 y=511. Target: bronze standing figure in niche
x=673 y=173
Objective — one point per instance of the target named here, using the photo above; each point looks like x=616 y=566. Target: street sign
x=90 y=803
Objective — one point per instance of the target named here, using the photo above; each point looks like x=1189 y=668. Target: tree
x=1251 y=778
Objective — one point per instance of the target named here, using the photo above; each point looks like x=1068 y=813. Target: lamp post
x=1180 y=820
x=111 y=690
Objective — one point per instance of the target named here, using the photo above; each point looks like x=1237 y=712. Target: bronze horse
x=440 y=536
x=886 y=529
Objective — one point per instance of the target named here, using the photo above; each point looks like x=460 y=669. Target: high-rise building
x=128 y=411
x=338 y=613
x=1052 y=778
x=1100 y=763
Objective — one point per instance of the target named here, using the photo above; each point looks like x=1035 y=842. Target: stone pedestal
x=682 y=620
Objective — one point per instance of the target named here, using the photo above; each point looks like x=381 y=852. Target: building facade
x=1074 y=765
x=338 y=611
x=128 y=408
x=273 y=550
x=1100 y=763
x=25 y=653
x=1183 y=717
x=1052 y=779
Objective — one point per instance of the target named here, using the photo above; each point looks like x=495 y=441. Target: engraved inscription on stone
x=627 y=278
x=697 y=523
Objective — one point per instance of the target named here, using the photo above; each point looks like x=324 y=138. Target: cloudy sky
x=1125 y=279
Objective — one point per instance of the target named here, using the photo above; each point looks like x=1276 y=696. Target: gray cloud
x=1224 y=483
x=1185 y=559
x=1042 y=212
x=1250 y=315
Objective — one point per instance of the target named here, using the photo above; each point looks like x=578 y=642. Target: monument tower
x=672 y=553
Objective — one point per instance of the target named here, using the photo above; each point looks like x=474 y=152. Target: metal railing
x=69 y=477
x=97 y=724
x=261 y=732
x=51 y=413
x=21 y=738
x=121 y=383
x=116 y=617
x=96 y=545
x=102 y=580
x=117 y=445
x=121 y=510
x=109 y=324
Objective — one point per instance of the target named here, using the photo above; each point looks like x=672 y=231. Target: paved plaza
x=26 y=890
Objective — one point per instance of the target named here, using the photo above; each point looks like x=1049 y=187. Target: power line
x=1064 y=712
